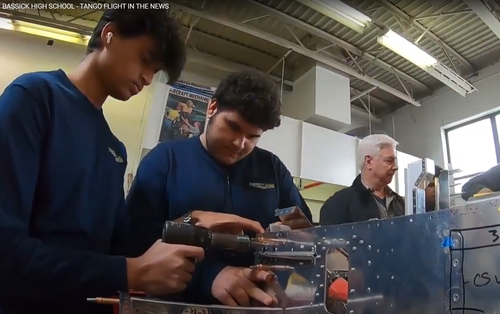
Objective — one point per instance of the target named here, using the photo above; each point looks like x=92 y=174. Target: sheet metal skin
x=443 y=190
x=417 y=176
x=440 y=262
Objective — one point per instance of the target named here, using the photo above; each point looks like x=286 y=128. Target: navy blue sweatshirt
x=61 y=199
x=489 y=179
x=179 y=176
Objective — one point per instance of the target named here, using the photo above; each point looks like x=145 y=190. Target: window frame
x=494 y=129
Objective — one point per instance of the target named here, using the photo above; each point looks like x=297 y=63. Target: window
x=459 y=183
x=473 y=148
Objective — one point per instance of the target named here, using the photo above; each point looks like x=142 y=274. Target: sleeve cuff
x=471 y=190
x=114 y=275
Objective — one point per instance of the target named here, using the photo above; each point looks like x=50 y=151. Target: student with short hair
x=62 y=210
x=219 y=174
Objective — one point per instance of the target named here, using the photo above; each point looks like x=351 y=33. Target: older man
x=369 y=196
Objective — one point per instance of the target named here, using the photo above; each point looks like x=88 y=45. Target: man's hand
x=236 y=286
x=163 y=269
x=227 y=223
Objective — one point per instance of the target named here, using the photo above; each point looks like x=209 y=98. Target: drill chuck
x=187 y=234
x=231 y=242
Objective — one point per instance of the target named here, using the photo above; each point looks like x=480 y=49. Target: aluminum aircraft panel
x=446 y=261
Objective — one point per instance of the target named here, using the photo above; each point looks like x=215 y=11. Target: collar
x=358 y=183
x=227 y=168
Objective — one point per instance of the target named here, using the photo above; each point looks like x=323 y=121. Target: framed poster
x=185 y=111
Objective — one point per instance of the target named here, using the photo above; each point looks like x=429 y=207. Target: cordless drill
x=187 y=234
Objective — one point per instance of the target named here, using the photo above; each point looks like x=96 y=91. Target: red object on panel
x=338 y=290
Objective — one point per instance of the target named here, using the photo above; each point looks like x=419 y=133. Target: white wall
x=328 y=156
x=288 y=151
x=316 y=196
x=418 y=130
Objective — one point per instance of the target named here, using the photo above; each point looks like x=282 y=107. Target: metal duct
x=364 y=131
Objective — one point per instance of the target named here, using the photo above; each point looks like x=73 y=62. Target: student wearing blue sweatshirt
x=221 y=171
x=61 y=181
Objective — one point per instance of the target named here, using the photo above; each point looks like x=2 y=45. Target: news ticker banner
x=85 y=6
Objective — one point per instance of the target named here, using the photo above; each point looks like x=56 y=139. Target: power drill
x=187 y=234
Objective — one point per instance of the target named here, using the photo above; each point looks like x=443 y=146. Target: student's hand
x=294 y=223
x=163 y=269
x=227 y=223
x=295 y=220
x=236 y=286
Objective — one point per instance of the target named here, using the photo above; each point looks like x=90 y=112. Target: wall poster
x=185 y=110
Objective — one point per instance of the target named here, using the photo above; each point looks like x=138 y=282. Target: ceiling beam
x=485 y=14
x=297 y=48
x=193 y=55
x=411 y=21
x=227 y=66
x=337 y=41
x=377 y=102
x=224 y=65
x=266 y=61
x=307 y=27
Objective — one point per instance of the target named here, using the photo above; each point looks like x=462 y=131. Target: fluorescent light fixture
x=426 y=62
x=406 y=49
x=44 y=31
x=340 y=12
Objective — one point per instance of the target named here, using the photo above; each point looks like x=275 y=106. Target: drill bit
x=101 y=300
x=272 y=267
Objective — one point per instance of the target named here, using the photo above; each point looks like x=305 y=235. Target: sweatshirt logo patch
x=262 y=186
x=117 y=158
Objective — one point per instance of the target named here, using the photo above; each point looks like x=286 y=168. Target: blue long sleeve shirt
x=489 y=179
x=179 y=176
x=61 y=199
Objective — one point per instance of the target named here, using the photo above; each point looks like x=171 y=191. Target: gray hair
x=371 y=145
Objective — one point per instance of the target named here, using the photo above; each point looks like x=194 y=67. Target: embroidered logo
x=117 y=158
x=262 y=186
